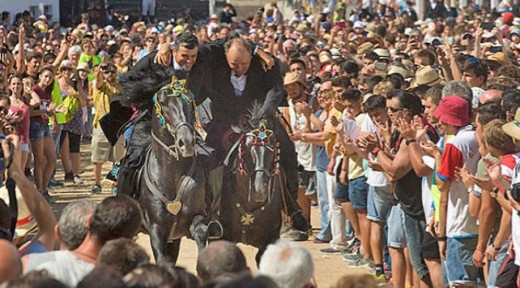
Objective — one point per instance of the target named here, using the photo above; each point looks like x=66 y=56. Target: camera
x=515 y=192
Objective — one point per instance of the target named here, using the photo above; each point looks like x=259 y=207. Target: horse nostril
x=180 y=143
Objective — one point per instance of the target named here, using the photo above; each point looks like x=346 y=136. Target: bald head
x=218 y=258
x=490 y=95
x=239 y=55
x=10 y=264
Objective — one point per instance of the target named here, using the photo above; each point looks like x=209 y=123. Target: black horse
x=171 y=183
x=252 y=190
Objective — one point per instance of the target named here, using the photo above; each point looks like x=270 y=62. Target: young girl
x=20 y=110
x=40 y=132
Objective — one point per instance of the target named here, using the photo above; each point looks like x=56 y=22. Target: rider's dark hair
x=374 y=102
x=187 y=40
x=114 y=218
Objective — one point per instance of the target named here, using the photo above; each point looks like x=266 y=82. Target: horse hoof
x=215 y=230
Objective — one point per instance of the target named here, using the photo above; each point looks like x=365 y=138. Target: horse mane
x=138 y=90
x=251 y=119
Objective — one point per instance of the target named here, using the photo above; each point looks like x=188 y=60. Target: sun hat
x=363 y=48
x=83 y=66
x=513 y=128
x=25 y=222
x=291 y=78
x=426 y=75
x=392 y=69
x=359 y=24
x=67 y=64
x=453 y=110
x=382 y=53
x=500 y=58
x=514 y=31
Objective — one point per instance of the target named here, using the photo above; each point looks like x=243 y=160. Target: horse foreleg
x=172 y=250
x=158 y=239
x=199 y=231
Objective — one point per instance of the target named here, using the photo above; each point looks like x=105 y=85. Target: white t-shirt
x=515 y=218
x=62 y=265
x=461 y=151
x=374 y=178
x=306 y=151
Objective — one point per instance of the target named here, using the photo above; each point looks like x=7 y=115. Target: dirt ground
x=328 y=268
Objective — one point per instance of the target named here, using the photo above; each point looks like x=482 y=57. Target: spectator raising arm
x=36 y=204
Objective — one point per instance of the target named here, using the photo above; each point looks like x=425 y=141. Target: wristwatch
x=495 y=247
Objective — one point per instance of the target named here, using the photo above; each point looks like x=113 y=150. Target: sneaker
x=28 y=173
x=330 y=251
x=55 y=183
x=361 y=262
x=96 y=189
x=69 y=177
x=353 y=247
x=380 y=277
x=296 y=235
x=320 y=241
x=352 y=257
x=77 y=180
x=49 y=198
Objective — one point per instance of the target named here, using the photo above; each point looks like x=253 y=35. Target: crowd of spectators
x=407 y=132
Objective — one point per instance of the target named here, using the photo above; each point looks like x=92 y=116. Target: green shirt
x=92 y=61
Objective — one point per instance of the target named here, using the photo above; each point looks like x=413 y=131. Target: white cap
x=109 y=28
x=359 y=24
x=154 y=30
x=326 y=10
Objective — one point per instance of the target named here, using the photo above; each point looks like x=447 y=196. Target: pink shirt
x=22 y=126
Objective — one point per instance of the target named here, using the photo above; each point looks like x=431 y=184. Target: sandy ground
x=328 y=268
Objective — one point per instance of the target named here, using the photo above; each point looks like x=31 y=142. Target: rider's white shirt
x=176 y=65
x=239 y=83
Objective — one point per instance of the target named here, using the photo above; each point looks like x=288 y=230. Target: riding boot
x=215 y=179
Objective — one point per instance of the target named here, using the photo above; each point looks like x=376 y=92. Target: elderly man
x=288 y=264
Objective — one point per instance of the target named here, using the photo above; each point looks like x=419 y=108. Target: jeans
x=56 y=138
x=459 y=265
x=414 y=230
x=323 y=202
x=495 y=266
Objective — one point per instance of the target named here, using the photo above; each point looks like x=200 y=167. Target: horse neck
x=166 y=165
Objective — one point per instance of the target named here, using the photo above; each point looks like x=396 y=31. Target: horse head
x=258 y=154
x=175 y=114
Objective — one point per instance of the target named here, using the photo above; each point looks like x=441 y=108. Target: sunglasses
x=109 y=71
x=395 y=110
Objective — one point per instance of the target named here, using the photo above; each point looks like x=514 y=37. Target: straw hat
x=500 y=58
x=363 y=48
x=398 y=70
x=67 y=64
x=83 y=66
x=426 y=76
x=25 y=222
x=291 y=78
x=513 y=128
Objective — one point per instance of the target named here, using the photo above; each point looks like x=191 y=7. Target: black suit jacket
x=263 y=86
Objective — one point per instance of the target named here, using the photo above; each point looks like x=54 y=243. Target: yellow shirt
x=102 y=98
x=329 y=128
x=355 y=163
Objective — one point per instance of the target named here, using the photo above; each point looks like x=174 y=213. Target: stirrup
x=217 y=227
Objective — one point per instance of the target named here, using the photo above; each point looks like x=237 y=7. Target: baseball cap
x=453 y=110
x=359 y=24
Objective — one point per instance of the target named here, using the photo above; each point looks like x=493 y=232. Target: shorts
x=305 y=178
x=39 y=130
x=396 y=237
x=25 y=147
x=358 y=192
x=497 y=268
x=340 y=191
x=379 y=203
x=508 y=274
x=459 y=266
x=430 y=247
x=102 y=151
x=74 y=141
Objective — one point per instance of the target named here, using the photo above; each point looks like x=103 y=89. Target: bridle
x=261 y=137
x=178 y=89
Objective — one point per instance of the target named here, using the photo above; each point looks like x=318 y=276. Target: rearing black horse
x=252 y=191
x=171 y=183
